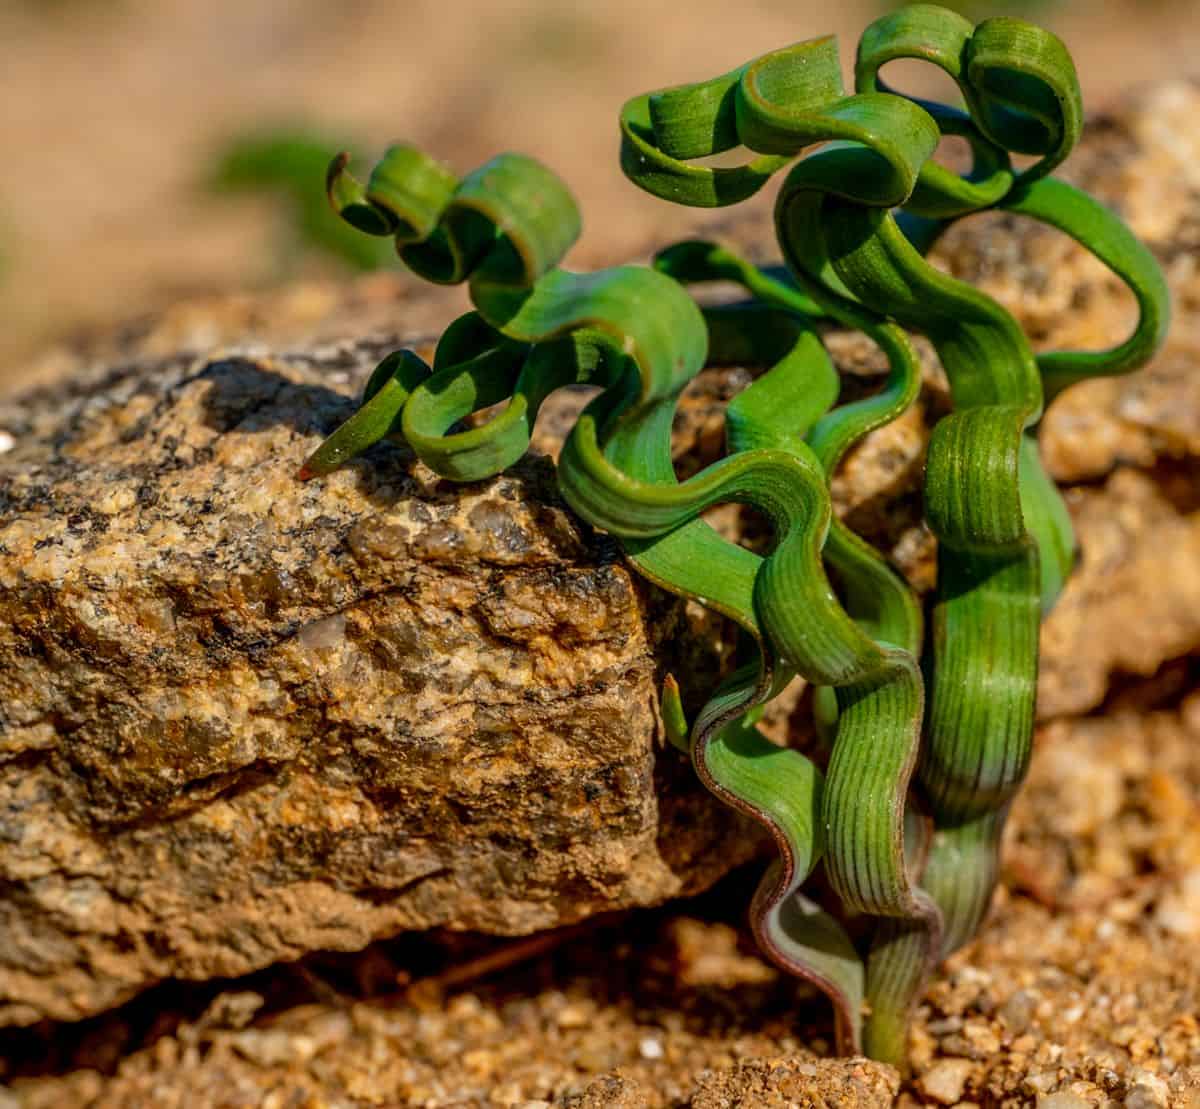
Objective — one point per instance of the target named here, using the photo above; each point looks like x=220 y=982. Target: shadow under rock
x=631 y=961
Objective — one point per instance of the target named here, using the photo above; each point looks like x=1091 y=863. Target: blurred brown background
x=117 y=114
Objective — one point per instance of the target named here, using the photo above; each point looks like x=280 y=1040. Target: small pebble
x=573 y=1016
x=650 y=1048
x=1017 y=1011
x=944 y=1081
x=945 y=1026
x=1149 y=1093
x=1063 y=1100
x=1041 y=1082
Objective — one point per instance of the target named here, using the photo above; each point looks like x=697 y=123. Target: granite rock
x=245 y=717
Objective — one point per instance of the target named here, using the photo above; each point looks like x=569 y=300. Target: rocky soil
x=246 y=721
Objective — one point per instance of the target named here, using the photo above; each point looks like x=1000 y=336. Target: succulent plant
x=928 y=730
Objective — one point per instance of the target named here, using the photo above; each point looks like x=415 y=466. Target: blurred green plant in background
x=289 y=162
x=53 y=9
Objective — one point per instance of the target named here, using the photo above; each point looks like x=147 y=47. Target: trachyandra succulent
x=928 y=731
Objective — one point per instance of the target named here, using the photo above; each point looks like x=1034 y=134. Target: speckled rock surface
x=242 y=719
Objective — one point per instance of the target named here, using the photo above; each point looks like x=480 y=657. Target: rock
x=1064 y=1100
x=242 y=719
x=945 y=1081
x=1110 y=799
x=1133 y=602
x=1017 y=1012
x=1179 y=910
x=1149 y=1091
x=1138 y=420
